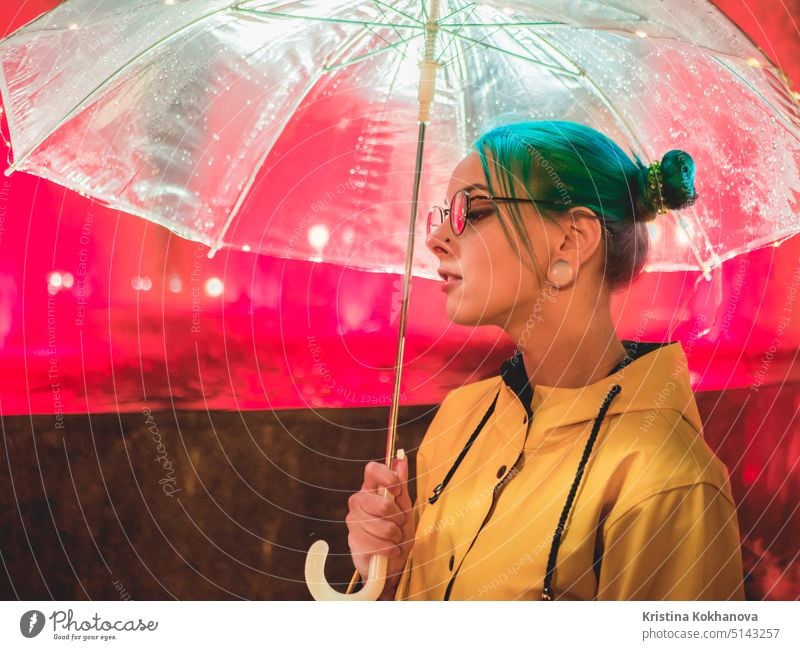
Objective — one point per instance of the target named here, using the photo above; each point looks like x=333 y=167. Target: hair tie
x=655 y=182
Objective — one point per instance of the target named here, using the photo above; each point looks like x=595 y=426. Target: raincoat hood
x=652 y=376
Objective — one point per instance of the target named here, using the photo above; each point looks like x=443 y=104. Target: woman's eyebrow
x=472 y=186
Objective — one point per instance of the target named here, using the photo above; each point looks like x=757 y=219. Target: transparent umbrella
x=296 y=129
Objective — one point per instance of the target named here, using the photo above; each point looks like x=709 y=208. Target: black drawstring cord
x=547 y=592
x=438 y=489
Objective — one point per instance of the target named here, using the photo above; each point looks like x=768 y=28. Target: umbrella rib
x=581 y=74
x=459 y=56
x=322 y=19
x=453 y=36
x=793 y=128
x=372 y=53
x=256 y=168
x=626 y=33
x=680 y=220
x=394 y=78
x=374 y=32
x=531 y=23
x=346 y=45
x=499 y=26
x=593 y=87
x=544 y=41
x=383 y=14
x=75 y=109
x=396 y=10
x=441 y=22
x=554 y=68
x=473 y=45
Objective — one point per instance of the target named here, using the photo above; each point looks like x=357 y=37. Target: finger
x=357 y=516
x=400 y=466
x=377 y=475
x=377 y=507
x=403 y=499
x=367 y=544
x=385 y=530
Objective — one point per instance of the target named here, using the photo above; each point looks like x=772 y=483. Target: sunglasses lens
x=458 y=212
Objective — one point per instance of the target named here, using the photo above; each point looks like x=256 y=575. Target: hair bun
x=666 y=185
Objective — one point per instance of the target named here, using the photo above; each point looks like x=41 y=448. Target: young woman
x=580 y=471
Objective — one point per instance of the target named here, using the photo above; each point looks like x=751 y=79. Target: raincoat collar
x=653 y=375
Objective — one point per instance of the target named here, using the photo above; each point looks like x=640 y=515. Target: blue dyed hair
x=565 y=165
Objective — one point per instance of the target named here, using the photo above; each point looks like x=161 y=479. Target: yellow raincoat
x=651 y=517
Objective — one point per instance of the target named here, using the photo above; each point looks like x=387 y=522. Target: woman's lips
x=449 y=282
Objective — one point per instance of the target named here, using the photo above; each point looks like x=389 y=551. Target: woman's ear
x=583 y=233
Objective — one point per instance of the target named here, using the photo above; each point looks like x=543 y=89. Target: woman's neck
x=571 y=359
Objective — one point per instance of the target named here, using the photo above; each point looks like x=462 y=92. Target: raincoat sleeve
x=678 y=544
x=423 y=489
x=424 y=469
x=423 y=474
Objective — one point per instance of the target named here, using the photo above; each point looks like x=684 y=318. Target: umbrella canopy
x=197 y=114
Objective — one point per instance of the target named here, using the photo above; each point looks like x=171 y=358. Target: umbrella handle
x=318 y=585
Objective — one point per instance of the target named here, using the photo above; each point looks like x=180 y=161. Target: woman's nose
x=439 y=241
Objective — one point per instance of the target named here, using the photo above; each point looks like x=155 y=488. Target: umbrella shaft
x=401 y=336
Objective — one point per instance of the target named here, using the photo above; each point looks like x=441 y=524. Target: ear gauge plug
x=560 y=273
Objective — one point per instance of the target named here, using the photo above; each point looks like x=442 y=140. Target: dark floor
x=228 y=511
x=229 y=505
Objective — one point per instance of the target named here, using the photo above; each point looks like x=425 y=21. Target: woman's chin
x=463 y=309
x=460 y=316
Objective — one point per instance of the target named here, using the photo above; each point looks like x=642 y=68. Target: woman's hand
x=379 y=525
